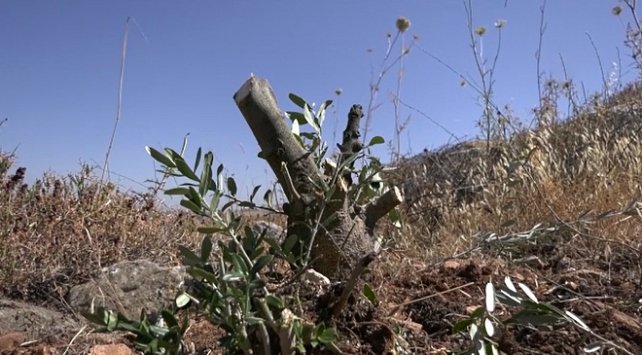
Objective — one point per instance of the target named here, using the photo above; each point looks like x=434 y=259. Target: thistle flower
x=616 y=10
x=500 y=23
x=480 y=30
x=403 y=24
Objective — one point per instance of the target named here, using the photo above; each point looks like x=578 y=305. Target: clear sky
x=60 y=60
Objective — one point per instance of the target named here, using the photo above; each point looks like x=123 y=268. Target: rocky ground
x=606 y=295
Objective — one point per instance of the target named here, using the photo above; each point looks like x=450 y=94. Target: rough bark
x=345 y=237
x=351 y=144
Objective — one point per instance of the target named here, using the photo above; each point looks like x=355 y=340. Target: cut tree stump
x=348 y=233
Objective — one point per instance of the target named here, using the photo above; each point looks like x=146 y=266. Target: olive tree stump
x=345 y=243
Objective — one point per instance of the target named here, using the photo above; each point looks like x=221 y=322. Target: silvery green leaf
x=197 y=160
x=184 y=145
x=533 y=318
x=232 y=277
x=322 y=110
x=184 y=168
x=592 y=348
x=177 y=191
x=309 y=118
x=509 y=283
x=509 y=298
x=489 y=327
x=297 y=100
x=168 y=320
x=477 y=313
x=376 y=140
x=182 y=300
x=369 y=293
x=261 y=262
x=463 y=324
x=189 y=257
x=254 y=191
x=528 y=292
x=490 y=297
x=160 y=157
x=219 y=176
x=231 y=186
x=473 y=331
x=190 y=205
x=206 y=248
x=577 y=320
x=274 y=301
x=206 y=174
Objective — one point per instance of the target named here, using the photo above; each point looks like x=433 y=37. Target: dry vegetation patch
x=58 y=232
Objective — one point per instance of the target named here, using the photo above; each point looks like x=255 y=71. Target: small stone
x=471 y=309
x=316 y=278
x=450 y=265
x=111 y=349
x=11 y=341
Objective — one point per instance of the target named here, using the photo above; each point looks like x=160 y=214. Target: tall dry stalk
x=402 y=26
x=387 y=64
x=119 y=104
x=490 y=123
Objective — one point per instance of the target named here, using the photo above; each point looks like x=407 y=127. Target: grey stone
x=36 y=323
x=129 y=287
x=272 y=230
x=315 y=278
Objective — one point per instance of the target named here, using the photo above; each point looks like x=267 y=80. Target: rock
x=271 y=230
x=472 y=308
x=451 y=265
x=315 y=278
x=110 y=349
x=11 y=341
x=128 y=287
x=34 y=322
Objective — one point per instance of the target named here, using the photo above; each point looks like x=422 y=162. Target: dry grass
x=57 y=232
x=553 y=175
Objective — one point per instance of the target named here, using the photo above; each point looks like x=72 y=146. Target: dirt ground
x=603 y=287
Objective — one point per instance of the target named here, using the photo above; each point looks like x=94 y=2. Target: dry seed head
x=480 y=30
x=616 y=10
x=500 y=23
x=403 y=24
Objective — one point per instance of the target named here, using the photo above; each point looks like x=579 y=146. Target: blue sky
x=60 y=60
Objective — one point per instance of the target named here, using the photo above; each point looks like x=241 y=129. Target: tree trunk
x=347 y=235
